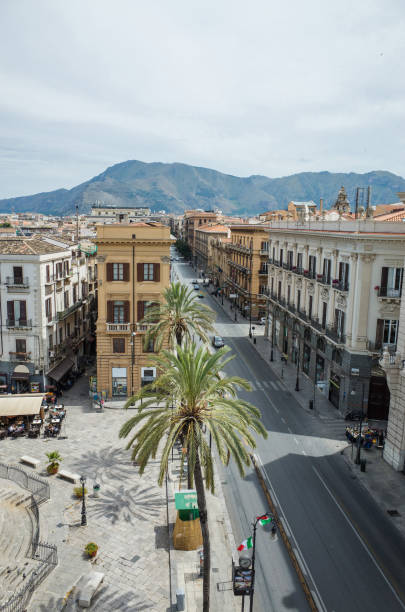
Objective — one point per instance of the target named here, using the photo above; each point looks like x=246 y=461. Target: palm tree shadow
x=109 y=462
x=139 y=502
x=105 y=598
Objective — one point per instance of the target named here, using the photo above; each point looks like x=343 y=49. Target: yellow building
x=247 y=268
x=133 y=270
x=205 y=237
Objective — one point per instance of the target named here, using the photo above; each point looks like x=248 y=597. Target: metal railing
x=323 y=279
x=118 y=327
x=19 y=322
x=297 y=270
x=62 y=314
x=388 y=292
x=17 y=282
x=46 y=554
x=18 y=356
x=340 y=285
x=335 y=334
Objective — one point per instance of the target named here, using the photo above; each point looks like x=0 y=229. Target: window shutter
x=156 y=272
x=23 y=310
x=379 y=333
x=126 y=272
x=10 y=310
x=110 y=313
x=48 y=274
x=141 y=309
x=118 y=345
x=139 y=272
x=126 y=312
x=109 y=272
x=384 y=277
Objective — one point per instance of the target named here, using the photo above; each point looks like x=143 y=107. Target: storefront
x=320 y=369
x=20 y=380
x=306 y=359
x=148 y=375
x=119 y=382
x=334 y=389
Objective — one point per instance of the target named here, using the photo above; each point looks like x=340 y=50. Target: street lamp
x=273 y=534
x=133 y=334
x=84 y=518
x=297 y=381
x=361 y=415
x=272 y=336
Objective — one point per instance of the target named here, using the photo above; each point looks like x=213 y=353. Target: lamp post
x=133 y=334
x=273 y=533
x=272 y=336
x=361 y=415
x=84 y=518
x=297 y=381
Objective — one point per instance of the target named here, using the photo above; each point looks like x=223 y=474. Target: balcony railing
x=62 y=314
x=380 y=347
x=19 y=323
x=388 y=292
x=310 y=274
x=118 y=327
x=340 y=285
x=335 y=334
x=263 y=271
x=297 y=270
x=302 y=315
x=323 y=279
x=318 y=324
x=22 y=283
x=17 y=356
x=143 y=327
x=264 y=252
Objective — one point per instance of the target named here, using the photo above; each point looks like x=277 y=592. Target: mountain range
x=176 y=187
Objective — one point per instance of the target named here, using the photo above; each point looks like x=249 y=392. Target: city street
x=351 y=554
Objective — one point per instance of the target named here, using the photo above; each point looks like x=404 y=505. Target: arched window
x=320 y=344
x=307 y=334
x=337 y=356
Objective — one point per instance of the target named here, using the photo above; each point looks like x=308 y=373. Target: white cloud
x=241 y=87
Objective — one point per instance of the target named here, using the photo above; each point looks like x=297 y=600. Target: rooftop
x=27 y=246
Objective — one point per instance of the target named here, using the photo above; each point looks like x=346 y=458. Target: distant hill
x=176 y=187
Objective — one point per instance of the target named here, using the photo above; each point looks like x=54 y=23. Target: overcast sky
x=258 y=87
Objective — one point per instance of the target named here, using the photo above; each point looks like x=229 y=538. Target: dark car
x=217 y=342
x=196 y=286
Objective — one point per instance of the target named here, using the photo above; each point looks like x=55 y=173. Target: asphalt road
x=353 y=557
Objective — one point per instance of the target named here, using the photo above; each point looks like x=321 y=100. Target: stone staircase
x=16 y=528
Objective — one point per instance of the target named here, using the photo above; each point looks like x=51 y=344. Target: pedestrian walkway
x=385 y=485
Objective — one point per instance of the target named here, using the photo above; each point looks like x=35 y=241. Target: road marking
x=259 y=385
x=296 y=441
x=273 y=384
x=252 y=384
x=321 y=606
x=359 y=537
x=283 y=419
x=266 y=383
x=290 y=430
x=303 y=452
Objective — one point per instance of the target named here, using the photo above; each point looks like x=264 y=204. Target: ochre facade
x=134 y=269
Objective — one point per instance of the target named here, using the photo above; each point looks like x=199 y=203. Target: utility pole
x=250 y=288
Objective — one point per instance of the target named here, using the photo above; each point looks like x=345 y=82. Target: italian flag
x=246 y=544
x=264 y=520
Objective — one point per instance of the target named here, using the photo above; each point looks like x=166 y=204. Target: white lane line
x=252 y=384
x=321 y=606
x=273 y=384
x=259 y=385
x=359 y=538
x=303 y=452
x=290 y=430
x=296 y=441
x=283 y=419
x=266 y=383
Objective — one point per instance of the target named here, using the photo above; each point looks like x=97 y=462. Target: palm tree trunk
x=202 y=507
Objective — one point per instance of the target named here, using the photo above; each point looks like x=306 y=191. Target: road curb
x=280 y=525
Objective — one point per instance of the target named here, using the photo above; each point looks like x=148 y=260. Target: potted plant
x=78 y=491
x=54 y=459
x=335 y=281
x=91 y=549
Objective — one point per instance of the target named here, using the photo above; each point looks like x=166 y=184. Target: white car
x=262 y=321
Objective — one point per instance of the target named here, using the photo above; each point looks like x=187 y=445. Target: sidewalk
x=384 y=484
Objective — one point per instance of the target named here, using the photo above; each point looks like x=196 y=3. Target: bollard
x=180 y=600
x=254 y=340
x=311 y=404
x=363 y=465
x=96 y=489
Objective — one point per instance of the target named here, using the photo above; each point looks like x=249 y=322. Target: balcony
x=19 y=323
x=49 y=280
x=317 y=324
x=264 y=252
x=380 y=347
x=335 y=334
x=263 y=272
x=297 y=270
x=15 y=283
x=323 y=279
x=143 y=327
x=340 y=285
x=19 y=356
x=302 y=315
x=118 y=327
x=62 y=314
x=310 y=274
x=388 y=292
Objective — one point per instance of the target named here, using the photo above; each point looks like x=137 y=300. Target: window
x=18 y=275
x=299 y=261
x=68 y=329
x=310 y=306
x=17 y=312
x=288 y=294
x=50 y=342
x=148 y=272
x=149 y=347
x=20 y=346
x=60 y=335
x=119 y=382
x=290 y=256
x=298 y=299
x=306 y=358
x=339 y=322
x=118 y=272
x=281 y=257
x=66 y=299
x=118 y=345
x=279 y=290
x=48 y=274
x=391 y=282
x=326 y=270
x=74 y=294
x=344 y=275
x=320 y=344
x=390 y=331
x=118 y=312
x=312 y=266
x=337 y=356
x=48 y=309
x=324 y=313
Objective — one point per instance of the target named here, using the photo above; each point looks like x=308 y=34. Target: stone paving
x=127 y=520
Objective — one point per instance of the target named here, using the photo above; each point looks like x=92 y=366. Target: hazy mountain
x=176 y=187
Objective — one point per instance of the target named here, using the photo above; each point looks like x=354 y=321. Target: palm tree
x=178 y=317
x=205 y=399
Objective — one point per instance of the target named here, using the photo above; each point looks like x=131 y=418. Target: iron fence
x=46 y=554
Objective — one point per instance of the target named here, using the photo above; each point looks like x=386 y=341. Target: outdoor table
x=59 y=406
x=55 y=420
x=37 y=422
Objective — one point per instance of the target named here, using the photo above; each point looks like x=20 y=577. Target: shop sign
x=35 y=387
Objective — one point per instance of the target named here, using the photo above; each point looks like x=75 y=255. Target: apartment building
x=46 y=304
x=334 y=300
x=205 y=237
x=193 y=219
x=134 y=269
x=247 y=261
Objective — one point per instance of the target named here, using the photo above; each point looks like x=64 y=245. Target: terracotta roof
x=213 y=228
x=27 y=246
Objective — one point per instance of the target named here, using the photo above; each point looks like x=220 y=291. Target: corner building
x=134 y=269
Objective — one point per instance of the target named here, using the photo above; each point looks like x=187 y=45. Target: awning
x=20 y=376
x=19 y=405
x=61 y=369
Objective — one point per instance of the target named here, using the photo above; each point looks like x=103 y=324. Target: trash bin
x=363 y=465
x=96 y=489
x=311 y=404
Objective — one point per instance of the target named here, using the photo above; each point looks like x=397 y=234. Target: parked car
x=196 y=286
x=217 y=342
x=200 y=295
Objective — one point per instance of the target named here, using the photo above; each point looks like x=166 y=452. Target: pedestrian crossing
x=270 y=385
